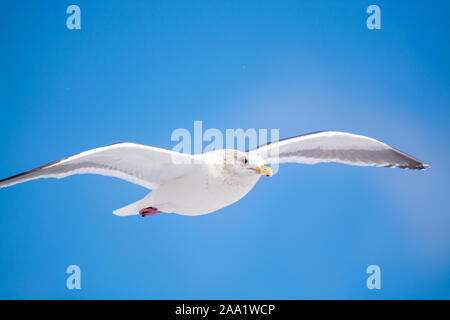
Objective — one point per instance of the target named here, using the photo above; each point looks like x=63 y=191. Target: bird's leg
x=150 y=211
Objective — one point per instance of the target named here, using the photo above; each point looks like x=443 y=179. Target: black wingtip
x=418 y=166
x=425 y=166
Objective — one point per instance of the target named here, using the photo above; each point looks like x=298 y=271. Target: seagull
x=203 y=183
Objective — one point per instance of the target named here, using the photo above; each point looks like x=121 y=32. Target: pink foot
x=150 y=211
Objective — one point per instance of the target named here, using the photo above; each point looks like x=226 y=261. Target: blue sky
x=137 y=70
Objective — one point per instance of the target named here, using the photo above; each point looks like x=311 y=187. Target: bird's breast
x=204 y=191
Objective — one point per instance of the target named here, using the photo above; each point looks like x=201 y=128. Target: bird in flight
x=203 y=183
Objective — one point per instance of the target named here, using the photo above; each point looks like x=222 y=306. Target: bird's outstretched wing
x=139 y=164
x=334 y=146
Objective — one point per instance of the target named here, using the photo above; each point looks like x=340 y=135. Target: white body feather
x=207 y=188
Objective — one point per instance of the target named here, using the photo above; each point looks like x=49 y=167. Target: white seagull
x=203 y=183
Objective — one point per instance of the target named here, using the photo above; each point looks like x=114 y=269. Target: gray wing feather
x=334 y=146
x=139 y=164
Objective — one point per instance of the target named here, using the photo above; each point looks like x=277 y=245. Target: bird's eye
x=245 y=160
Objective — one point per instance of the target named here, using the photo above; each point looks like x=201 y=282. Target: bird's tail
x=132 y=208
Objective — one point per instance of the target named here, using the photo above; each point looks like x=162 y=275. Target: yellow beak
x=264 y=170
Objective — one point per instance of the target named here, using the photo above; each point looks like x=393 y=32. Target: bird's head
x=245 y=163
